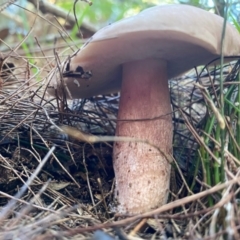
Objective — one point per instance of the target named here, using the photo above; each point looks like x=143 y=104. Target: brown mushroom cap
x=182 y=35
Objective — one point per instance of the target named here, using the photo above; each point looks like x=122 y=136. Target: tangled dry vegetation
x=53 y=186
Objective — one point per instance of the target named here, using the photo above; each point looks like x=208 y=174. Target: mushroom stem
x=142 y=172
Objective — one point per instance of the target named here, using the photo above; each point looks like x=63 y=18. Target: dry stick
x=70 y=153
x=44 y=56
x=8 y=208
x=157 y=211
x=184 y=181
x=43 y=18
x=226 y=151
x=29 y=207
x=63 y=200
x=38 y=226
x=19 y=45
x=18 y=175
x=223 y=201
x=75 y=15
x=88 y=182
x=64 y=38
x=59 y=12
x=102 y=196
x=212 y=229
x=197 y=137
x=31 y=129
x=232 y=136
x=21 y=89
x=177 y=228
x=94 y=139
x=6 y=4
x=114 y=119
x=41 y=214
x=138 y=227
x=102 y=200
x=212 y=86
x=47 y=145
x=216 y=112
x=21 y=53
x=225 y=83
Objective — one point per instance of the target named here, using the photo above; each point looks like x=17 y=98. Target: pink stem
x=142 y=172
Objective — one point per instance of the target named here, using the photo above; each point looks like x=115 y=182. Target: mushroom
x=137 y=56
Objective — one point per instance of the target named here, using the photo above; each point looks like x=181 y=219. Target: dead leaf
x=58 y=186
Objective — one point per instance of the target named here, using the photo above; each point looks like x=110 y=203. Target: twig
x=7 y=209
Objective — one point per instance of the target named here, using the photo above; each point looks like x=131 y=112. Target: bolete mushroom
x=137 y=56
